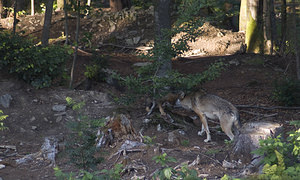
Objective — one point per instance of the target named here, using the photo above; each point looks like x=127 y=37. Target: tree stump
x=248 y=140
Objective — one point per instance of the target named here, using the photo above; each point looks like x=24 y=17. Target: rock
x=129 y=42
x=22 y=130
x=32 y=119
x=34 y=127
x=141 y=64
x=59 y=108
x=58 y=119
x=5 y=100
x=136 y=40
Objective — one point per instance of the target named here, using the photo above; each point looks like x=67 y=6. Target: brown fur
x=213 y=107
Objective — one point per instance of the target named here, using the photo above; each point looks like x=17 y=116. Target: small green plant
x=148 y=140
x=114 y=173
x=163 y=159
x=2 y=118
x=185 y=143
x=287 y=92
x=81 y=146
x=95 y=70
x=170 y=173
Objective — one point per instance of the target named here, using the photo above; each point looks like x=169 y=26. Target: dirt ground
x=248 y=80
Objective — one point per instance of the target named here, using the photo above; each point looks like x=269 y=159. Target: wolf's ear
x=181 y=95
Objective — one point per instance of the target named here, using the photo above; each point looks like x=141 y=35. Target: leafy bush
x=287 y=92
x=34 y=64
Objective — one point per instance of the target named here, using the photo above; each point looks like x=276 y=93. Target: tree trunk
x=47 y=22
x=283 y=27
x=66 y=22
x=15 y=17
x=267 y=29
x=295 y=39
x=1 y=8
x=243 y=16
x=162 y=37
x=32 y=7
x=76 y=46
x=115 y=5
x=60 y=4
x=248 y=141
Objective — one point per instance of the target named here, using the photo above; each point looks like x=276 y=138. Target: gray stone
x=5 y=100
x=58 y=119
x=59 y=108
x=136 y=40
x=33 y=127
x=129 y=41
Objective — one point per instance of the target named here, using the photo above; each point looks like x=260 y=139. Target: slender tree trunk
x=163 y=39
x=283 y=27
x=89 y=2
x=47 y=22
x=76 y=46
x=66 y=22
x=295 y=39
x=273 y=27
x=1 y=8
x=60 y=4
x=32 y=7
x=15 y=17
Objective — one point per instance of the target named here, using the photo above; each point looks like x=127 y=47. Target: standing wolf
x=213 y=107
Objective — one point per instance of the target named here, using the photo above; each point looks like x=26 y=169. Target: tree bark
x=47 y=23
x=66 y=22
x=60 y=4
x=115 y=5
x=283 y=27
x=15 y=17
x=1 y=8
x=32 y=7
x=162 y=37
x=76 y=46
x=295 y=40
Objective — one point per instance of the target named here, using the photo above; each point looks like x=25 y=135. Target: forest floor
x=248 y=80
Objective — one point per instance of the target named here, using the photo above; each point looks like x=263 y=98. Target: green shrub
x=37 y=65
x=287 y=92
x=80 y=145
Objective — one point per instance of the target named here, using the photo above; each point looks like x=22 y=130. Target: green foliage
x=213 y=11
x=95 y=70
x=145 y=83
x=111 y=174
x=170 y=173
x=81 y=142
x=34 y=64
x=281 y=158
x=114 y=173
x=143 y=4
x=148 y=140
x=2 y=118
x=287 y=92
x=163 y=159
